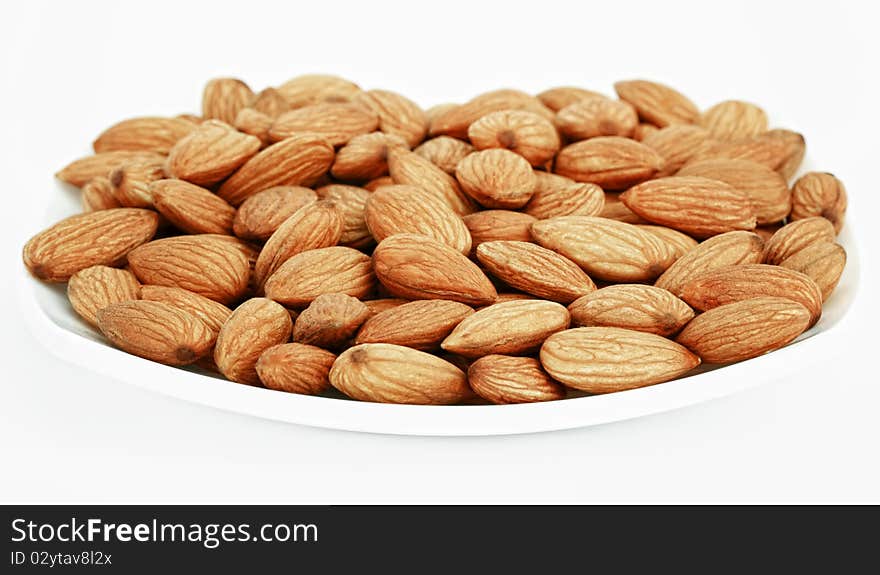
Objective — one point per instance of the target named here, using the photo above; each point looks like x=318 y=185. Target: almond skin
x=496 y=178
x=270 y=102
x=677 y=144
x=657 y=103
x=418 y=267
x=823 y=262
x=365 y=157
x=605 y=249
x=210 y=153
x=492 y=225
x=351 y=202
x=792 y=151
x=254 y=326
x=632 y=306
x=555 y=195
x=412 y=169
x=336 y=122
x=796 y=236
x=699 y=207
x=314 y=88
x=525 y=133
x=407 y=209
x=155 y=331
x=612 y=162
x=97 y=194
x=643 y=130
x=444 y=152
x=297 y=161
x=261 y=214
x=819 y=194
x=561 y=96
x=725 y=285
x=767 y=190
x=330 y=321
x=224 y=98
x=535 y=270
x=94 y=288
x=732 y=248
x=676 y=242
x=296 y=368
x=210 y=312
x=83 y=170
x=377 y=306
x=131 y=182
x=78 y=242
x=315 y=225
x=614 y=209
x=312 y=273
x=610 y=359
x=512 y=327
x=597 y=117
x=505 y=379
x=254 y=123
x=456 y=121
x=398 y=116
x=734 y=120
x=191 y=208
x=744 y=329
x=143 y=135
x=387 y=373
x=420 y=324
x=202 y=264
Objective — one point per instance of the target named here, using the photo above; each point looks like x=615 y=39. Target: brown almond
x=657 y=103
x=610 y=359
x=330 y=321
x=418 y=267
x=296 y=368
x=365 y=157
x=677 y=144
x=559 y=196
x=255 y=124
x=336 y=122
x=312 y=273
x=131 y=182
x=223 y=98
x=456 y=121
x=420 y=324
x=793 y=149
x=351 y=202
x=505 y=379
x=92 y=289
x=210 y=312
x=535 y=270
x=149 y=134
x=409 y=168
x=512 y=328
x=609 y=161
x=643 y=130
x=632 y=306
x=734 y=120
x=97 y=194
x=699 y=207
x=525 y=133
x=261 y=214
x=81 y=241
x=444 y=152
x=493 y=225
x=764 y=149
x=823 y=262
x=496 y=178
x=398 y=115
x=83 y=170
x=155 y=331
x=377 y=306
x=191 y=208
x=561 y=96
x=270 y=102
x=819 y=194
x=614 y=209
x=796 y=236
x=676 y=242
x=210 y=153
x=315 y=88
x=255 y=326
x=597 y=117
x=744 y=329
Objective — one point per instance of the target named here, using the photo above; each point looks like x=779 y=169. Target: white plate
x=54 y=323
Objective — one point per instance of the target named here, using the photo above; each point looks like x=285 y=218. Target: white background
x=72 y=68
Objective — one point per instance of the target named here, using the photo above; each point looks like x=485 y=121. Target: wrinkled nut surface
x=632 y=306
x=254 y=326
x=506 y=379
x=296 y=368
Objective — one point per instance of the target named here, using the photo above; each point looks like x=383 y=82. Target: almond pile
x=509 y=249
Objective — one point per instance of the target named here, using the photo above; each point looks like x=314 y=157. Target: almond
x=614 y=209
x=97 y=194
x=744 y=329
x=597 y=117
x=767 y=150
x=728 y=284
x=377 y=306
x=296 y=368
x=377 y=183
x=223 y=98
x=336 y=122
x=315 y=88
x=149 y=134
x=793 y=149
x=155 y=331
x=504 y=379
x=444 y=152
x=559 y=196
x=255 y=326
x=492 y=225
x=796 y=236
x=408 y=210
x=610 y=359
x=456 y=121
x=643 y=130
x=632 y=306
x=677 y=144
x=210 y=153
x=819 y=194
x=512 y=327
x=605 y=249
x=697 y=206
x=676 y=242
x=398 y=115
x=330 y=321
x=261 y=214
x=496 y=178
x=131 y=181
x=202 y=264
x=420 y=324
x=270 y=102
x=525 y=133
x=96 y=238
x=387 y=373
x=732 y=248
x=255 y=124
x=191 y=208
x=312 y=273
x=412 y=169
x=83 y=170
x=611 y=162
x=767 y=190
x=418 y=267
x=92 y=289
x=734 y=120
x=297 y=161
x=822 y=262
x=562 y=96
x=535 y=270
x=657 y=103
x=210 y=312
x=365 y=157
x=351 y=202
